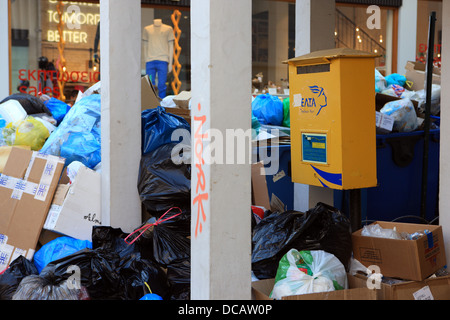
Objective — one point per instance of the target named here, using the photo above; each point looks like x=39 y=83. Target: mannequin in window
x=158 y=40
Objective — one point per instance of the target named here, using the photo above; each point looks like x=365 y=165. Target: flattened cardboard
x=404 y=259
x=27 y=186
x=261 y=291
x=76 y=207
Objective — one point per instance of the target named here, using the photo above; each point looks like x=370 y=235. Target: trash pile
x=401 y=100
x=73 y=256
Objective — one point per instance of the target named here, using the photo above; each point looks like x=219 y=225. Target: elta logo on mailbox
x=319 y=101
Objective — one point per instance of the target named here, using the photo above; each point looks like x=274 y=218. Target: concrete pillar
x=407 y=34
x=444 y=196
x=314 y=30
x=221 y=193
x=5 y=62
x=120 y=48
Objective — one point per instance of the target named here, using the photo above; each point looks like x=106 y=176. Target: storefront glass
x=371 y=30
x=424 y=10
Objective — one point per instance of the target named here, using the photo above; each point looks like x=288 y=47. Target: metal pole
x=428 y=86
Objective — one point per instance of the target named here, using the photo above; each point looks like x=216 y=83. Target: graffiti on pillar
x=201 y=195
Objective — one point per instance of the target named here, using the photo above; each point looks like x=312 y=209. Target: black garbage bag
x=11 y=278
x=162 y=184
x=48 y=285
x=179 y=277
x=169 y=248
x=320 y=228
x=135 y=272
x=30 y=103
x=97 y=271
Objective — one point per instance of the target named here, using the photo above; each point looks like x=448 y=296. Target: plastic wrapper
x=158 y=127
x=30 y=103
x=320 y=228
x=307 y=272
x=58 y=248
x=404 y=114
x=28 y=132
x=11 y=277
x=163 y=184
x=78 y=137
x=268 y=109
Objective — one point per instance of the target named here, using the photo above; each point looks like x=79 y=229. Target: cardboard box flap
x=17 y=163
x=60 y=194
x=149 y=98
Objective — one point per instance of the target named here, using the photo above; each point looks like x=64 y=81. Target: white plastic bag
x=303 y=272
x=405 y=117
x=375 y=230
x=380 y=82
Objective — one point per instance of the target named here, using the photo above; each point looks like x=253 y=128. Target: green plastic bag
x=286 y=113
x=304 y=272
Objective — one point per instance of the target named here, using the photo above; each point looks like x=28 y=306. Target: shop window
x=52 y=47
x=368 y=30
x=177 y=19
x=273 y=41
x=424 y=9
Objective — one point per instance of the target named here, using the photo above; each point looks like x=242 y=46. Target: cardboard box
x=433 y=288
x=260 y=192
x=149 y=97
x=27 y=186
x=261 y=290
x=76 y=207
x=404 y=259
x=415 y=72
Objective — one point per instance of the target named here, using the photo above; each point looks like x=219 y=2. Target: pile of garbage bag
x=408 y=109
x=51 y=126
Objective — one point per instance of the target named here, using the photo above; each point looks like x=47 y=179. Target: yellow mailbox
x=332 y=109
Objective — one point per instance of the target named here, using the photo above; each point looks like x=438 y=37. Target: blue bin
x=398 y=195
x=279 y=183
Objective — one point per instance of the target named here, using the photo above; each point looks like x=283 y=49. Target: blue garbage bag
x=57 y=249
x=82 y=147
x=268 y=109
x=158 y=126
x=78 y=136
x=58 y=109
x=395 y=78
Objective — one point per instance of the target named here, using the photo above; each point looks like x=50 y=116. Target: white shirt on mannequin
x=158 y=41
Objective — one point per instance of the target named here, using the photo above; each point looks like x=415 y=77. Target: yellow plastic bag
x=28 y=132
